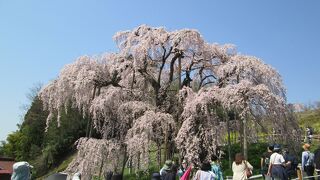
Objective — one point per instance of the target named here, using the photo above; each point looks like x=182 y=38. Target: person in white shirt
x=277 y=165
x=239 y=167
x=205 y=173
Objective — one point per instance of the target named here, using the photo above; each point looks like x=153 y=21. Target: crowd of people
x=276 y=164
x=207 y=171
x=281 y=164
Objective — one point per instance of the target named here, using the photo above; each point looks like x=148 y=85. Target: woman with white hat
x=277 y=163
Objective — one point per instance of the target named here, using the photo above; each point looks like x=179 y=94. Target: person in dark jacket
x=291 y=163
x=156 y=176
x=166 y=168
x=317 y=161
x=171 y=175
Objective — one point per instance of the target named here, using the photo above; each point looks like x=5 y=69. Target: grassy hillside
x=60 y=166
x=310 y=118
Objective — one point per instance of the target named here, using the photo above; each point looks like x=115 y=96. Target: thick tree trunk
x=89 y=123
x=88 y=127
x=229 y=142
x=159 y=155
x=125 y=158
x=166 y=147
x=241 y=134
x=245 y=148
x=179 y=72
x=130 y=166
x=91 y=129
x=100 y=169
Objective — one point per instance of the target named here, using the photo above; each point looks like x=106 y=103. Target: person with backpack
x=264 y=162
x=317 y=161
x=215 y=168
x=166 y=168
x=307 y=161
x=291 y=163
x=171 y=175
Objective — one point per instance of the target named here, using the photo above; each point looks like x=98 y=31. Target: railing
x=259 y=176
x=299 y=173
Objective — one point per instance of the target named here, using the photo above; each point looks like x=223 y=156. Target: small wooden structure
x=6 y=168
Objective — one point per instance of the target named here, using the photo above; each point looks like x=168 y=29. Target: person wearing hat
x=171 y=175
x=166 y=168
x=21 y=170
x=277 y=165
x=307 y=161
x=183 y=168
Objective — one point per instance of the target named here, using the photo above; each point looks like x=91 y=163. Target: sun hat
x=276 y=147
x=167 y=165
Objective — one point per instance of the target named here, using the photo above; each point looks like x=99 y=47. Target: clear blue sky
x=37 y=38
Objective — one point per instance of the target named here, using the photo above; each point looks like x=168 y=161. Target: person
x=183 y=168
x=317 y=161
x=309 y=134
x=239 y=167
x=166 y=168
x=205 y=172
x=76 y=176
x=291 y=163
x=307 y=160
x=156 y=176
x=186 y=175
x=215 y=167
x=21 y=170
x=264 y=161
x=276 y=166
x=171 y=175
x=108 y=175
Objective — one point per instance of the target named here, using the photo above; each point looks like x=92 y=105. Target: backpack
x=310 y=160
x=267 y=161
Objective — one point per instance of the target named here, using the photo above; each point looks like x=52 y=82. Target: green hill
x=310 y=118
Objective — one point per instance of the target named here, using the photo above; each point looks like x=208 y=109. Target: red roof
x=6 y=166
x=5 y=171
